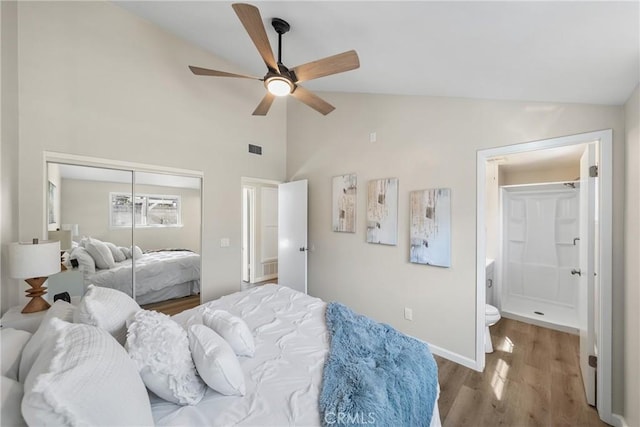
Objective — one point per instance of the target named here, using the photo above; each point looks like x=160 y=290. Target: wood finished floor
x=531 y=379
x=174 y=306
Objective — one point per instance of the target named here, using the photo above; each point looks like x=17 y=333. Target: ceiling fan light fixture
x=279 y=86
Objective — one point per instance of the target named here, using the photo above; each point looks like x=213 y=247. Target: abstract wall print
x=382 y=211
x=344 y=203
x=430 y=216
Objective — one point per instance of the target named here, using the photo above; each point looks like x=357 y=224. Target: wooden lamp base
x=37 y=303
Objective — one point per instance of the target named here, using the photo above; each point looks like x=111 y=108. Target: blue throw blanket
x=375 y=375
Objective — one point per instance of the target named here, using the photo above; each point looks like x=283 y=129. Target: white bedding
x=154 y=271
x=283 y=379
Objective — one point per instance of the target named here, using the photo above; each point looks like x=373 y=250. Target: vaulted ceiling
x=584 y=52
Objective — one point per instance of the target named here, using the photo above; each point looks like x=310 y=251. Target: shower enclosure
x=540 y=227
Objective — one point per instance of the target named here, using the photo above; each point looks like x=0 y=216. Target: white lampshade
x=62 y=236
x=29 y=260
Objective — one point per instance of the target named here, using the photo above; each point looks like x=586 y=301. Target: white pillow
x=11 y=397
x=216 y=363
x=12 y=342
x=118 y=256
x=59 y=310
x=86 y=263
x=83 y=377
x=125 y=251
x=233 y=329
x=136 y=252
x=160 y=349
x=101 y=253
x=107 y=309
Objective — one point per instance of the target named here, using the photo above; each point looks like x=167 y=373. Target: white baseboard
x=619 y=421
x=454 y=357
x=265 y=278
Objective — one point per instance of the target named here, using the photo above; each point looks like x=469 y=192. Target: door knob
x=578 y=272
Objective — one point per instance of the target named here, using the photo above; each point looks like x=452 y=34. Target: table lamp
x=34 y=262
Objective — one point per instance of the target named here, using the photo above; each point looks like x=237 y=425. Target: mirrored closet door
x=138 y=232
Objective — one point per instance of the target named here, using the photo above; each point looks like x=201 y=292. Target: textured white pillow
x=233 y=329
x=118 y=255
x=217 y=365
x=59 y=310
x=160 y=349
x=107 y=309
x=12 y=342
x=11 y=397
x=101 y=253
x=86 y=263
x=83 y=377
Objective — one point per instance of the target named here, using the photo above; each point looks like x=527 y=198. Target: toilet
x=491 y=317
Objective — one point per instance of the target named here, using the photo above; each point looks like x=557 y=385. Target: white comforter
x=283 y=379
x=154 y=271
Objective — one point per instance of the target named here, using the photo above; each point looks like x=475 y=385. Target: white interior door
x=247 y=234
x=292 y=235
x=586 y=268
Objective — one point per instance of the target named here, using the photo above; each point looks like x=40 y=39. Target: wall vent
x=255 y=149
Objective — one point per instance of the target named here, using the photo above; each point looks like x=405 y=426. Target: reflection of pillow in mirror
x=136 y=252
x=86 y=263
x=125 y=251
x=118 y=256
x=101 y=253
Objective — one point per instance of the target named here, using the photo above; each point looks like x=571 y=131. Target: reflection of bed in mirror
x=159 y=275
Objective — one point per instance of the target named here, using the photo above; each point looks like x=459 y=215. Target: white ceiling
x=561 y=51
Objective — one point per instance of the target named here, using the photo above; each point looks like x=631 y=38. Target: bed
x=283 y=379
x=159 y=276
x=78 y=372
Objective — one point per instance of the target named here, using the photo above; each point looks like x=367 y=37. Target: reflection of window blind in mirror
x=151 y=210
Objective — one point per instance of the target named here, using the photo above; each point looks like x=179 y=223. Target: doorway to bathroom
x=529 y=231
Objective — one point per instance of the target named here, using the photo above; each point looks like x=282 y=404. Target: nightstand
x=70 y=280
x=29 y=322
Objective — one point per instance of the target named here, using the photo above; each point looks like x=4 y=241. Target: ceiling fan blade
x=312 y=100
x=335 y=64
x=263 y=108
x=207 y=72
x=250 y=17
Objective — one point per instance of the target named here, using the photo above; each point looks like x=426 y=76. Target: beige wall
x=9 y=288
x=632 y=262
x=98 y=81
x=86 y=203
x=426 y=142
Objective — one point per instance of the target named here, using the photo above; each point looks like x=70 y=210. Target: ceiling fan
x=280 y=80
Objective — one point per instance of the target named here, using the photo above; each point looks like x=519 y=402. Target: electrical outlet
x=225 y=242
x=408 y=313
x=373 y=137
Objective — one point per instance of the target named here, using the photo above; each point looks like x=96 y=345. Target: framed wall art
x=382 y=211
x=345 y=188
x=430 y=227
